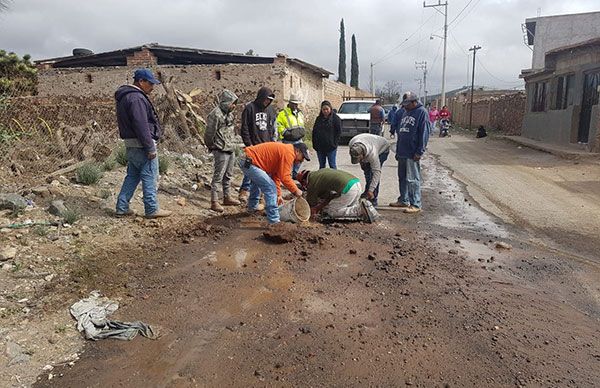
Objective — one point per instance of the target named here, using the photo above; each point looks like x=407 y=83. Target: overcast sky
x=393 y=34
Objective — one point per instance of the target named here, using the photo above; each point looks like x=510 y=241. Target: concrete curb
x=561 y=152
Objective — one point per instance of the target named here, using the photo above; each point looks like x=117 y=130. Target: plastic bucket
x=296 y=210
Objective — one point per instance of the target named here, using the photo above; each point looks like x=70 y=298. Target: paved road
x=556 y=200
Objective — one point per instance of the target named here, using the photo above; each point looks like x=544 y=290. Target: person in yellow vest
x=290 y=125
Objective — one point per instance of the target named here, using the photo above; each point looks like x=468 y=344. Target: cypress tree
x=354 y=65
x=342 y=58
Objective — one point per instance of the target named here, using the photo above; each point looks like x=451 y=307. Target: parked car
x=355 y=117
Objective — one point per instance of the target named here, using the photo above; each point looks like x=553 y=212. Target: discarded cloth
x=91 y=315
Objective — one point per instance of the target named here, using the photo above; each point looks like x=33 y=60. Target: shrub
x=121 y=155
x=88 y=174
x=71 y=216
x=41 y=230
x=163 y=164
x=109 y=164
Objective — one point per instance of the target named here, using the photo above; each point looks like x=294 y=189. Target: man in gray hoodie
x=219 y=138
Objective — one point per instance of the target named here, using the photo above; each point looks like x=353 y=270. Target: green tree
x=354 y=65
x=342 y=57
x=18 y=76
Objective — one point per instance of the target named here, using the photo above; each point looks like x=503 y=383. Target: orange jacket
x=276 y=159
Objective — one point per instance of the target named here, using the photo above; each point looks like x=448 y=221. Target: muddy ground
x=425 y=300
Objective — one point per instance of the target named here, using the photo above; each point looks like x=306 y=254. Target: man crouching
x=335 y=195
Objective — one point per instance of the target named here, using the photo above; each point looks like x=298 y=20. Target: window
x=538 y=103
x=89 y=78
x=291 y=82
x=564 y=91
x=218 y=74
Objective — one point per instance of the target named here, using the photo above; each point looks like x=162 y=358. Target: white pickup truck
x=355 y=117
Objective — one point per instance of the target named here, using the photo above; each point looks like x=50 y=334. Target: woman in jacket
x=326 y=135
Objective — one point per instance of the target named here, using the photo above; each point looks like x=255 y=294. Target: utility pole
x=423 y=66
x=420 y=81
x=474 y=49
x=372 y=85
x=445 y=13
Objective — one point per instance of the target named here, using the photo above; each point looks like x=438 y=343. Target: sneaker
x=399 y=204
x=243 y=196
x=125 y=214
x=260 y=207
x=216 y=206
x=412 y=210
x=230 y=201
x=159 y=214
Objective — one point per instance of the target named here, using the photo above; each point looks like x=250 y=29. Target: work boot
x=243 y=196
x=159 y=214
x=216 y=206
x=125 y=214
x=230 y=201
x=399 y=204
x=260 y=206
x=412 y=210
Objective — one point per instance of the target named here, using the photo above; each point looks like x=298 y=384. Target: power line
x=467 y=14
x=387 y=55
x=493 y=76
x=461 y=11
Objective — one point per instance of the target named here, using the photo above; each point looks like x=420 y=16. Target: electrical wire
x=468 y=12
x=461 y=11
x=493 y=76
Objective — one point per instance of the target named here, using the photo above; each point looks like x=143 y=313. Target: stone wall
x=504 y=113
x=335 y=92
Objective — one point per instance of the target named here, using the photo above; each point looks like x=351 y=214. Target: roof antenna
x=539 y=12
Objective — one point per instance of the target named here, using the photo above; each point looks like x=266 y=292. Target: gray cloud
x=307 y=30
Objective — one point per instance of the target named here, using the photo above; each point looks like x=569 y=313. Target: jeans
x=261 y=181
x=325 y=156
x=409 y=177
x=223 y=172
x=245 y=184
x=369 y=176
x=139 y=168
x=376 y=129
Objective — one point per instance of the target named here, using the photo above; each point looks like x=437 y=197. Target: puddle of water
x=229 y=258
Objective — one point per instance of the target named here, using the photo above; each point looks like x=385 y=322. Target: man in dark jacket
x=377 y=117
x=413 y=134
x=140 y=130
x=258 y=126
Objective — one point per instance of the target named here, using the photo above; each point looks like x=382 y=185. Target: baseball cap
x=408 y=98
x=356 y=150
x=146 y=74
x=304 y=149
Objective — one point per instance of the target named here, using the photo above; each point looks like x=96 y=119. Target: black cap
x=304 y=149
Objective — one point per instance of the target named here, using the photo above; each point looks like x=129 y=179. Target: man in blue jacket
x=413 y=134
x=140 y=130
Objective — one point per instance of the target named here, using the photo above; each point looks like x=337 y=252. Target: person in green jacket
x=220 y=140
x=335 y=194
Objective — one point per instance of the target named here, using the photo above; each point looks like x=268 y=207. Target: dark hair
x=326 y=103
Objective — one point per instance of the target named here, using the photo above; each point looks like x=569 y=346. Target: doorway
x=591 y=82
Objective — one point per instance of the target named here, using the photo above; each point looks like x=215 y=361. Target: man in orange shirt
x=267 y=165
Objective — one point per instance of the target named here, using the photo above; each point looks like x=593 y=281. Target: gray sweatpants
x=223 y=172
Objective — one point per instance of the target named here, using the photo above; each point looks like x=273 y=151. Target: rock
x=503 y=245
x=13 y=202
x=7 y=253
x=49 y=278
x=453 y=252
x=181 y=201
x=7 y=267
x=55 y=183
x=41 y=191
x=16 y=354
x=57 y=208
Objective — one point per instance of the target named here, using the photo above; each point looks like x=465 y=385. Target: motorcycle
x=444 y=128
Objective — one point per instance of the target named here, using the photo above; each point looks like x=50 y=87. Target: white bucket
x=296 y=210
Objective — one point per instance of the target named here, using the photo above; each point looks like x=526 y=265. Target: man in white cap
x=290 y=125
x=371 y=151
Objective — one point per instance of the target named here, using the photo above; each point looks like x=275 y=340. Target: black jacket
x=326 y=132
x=257 y=121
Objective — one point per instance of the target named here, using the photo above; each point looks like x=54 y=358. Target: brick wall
x=142 y=58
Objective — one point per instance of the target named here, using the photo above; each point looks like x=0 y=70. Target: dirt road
x=426 y=300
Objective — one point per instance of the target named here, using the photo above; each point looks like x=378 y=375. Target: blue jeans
x=409 y=177
x=325 y=156
x=376 y=129
x=245 y=184
x=369 y=176
x=139 y=168
x=261 y=181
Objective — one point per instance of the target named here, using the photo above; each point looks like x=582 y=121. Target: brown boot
x=216 y=206
x=230 y=201
x=243 y=196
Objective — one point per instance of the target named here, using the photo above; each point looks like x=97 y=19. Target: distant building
x=562 y=84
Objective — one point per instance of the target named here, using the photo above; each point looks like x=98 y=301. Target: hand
x=279 y=200
x=417 y=157
x=298 y=193
x=392 y=136
x=370 y=195
x=151 y=155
